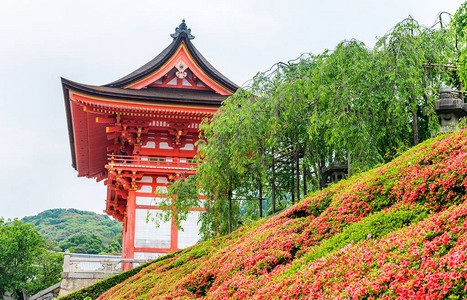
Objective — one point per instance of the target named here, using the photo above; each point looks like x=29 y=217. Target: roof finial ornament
x=182 y=28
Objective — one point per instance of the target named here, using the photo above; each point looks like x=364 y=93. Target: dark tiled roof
x=151 y=95
x=164 y=56
x=155 y=63
x=116 y=90
x=207 y=66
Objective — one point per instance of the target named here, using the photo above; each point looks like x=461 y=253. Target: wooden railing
x=152 y=162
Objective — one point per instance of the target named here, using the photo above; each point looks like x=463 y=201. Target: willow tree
x=410 y=54
x=458 y=30
x=269 y=142
x=346 y=105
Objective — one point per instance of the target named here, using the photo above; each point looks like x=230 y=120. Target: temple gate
x=138 y=133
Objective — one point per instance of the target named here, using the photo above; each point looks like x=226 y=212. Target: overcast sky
x=96 y=42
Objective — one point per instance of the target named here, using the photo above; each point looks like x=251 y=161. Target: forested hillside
x=79 y=231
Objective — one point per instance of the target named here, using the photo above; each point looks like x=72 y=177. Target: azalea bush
x=396 y=231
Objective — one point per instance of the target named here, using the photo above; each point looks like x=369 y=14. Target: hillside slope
x=397 y=231
x=59 y=223
x=78 y=231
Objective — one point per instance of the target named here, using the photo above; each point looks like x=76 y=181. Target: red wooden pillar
x=124 y=254
x=129 y=242
x=173 y=236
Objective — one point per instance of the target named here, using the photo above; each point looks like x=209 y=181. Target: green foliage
x=372 y=227
x=25 y=265
x=19 y=245
x=459 y=37
x=115 y=247
x=181 y=196
x=83 y=243
x=48 y=271
x=462 y=123
x=98 y=232
x=356 y=106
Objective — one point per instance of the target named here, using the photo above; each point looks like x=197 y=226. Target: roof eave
x=69 y=120
x=146 y=69
x=117 y=94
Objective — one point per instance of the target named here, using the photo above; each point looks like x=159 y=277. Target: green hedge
x=373 y=226
x=93 y=291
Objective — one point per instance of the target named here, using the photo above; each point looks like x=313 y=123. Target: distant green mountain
x=80 y=231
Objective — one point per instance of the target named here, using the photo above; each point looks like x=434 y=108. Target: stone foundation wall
x=82 y=270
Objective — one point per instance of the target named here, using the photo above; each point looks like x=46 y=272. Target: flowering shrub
x=395 y=232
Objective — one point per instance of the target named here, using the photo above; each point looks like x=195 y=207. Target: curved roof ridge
x=165 y=55
x=208 y=65
x=146 y=68
x=150 y=95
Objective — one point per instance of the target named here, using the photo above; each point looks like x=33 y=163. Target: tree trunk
x=415 y=128
x=297 y=175
x=305 y=173
x=461 y=94
x=319 y=174
x=348 y=164
x=273 y=183
x=260 y=201
x=230 y=210
x=292 y=185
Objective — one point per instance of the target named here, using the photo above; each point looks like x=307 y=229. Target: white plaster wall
x=190 y=235
x=161 y=190
x=144 y=189
x=149 y=145
x=161 y=179
x=164 y=145
x=148 y=200
x=147 y=235
x=188 y=147
x=146 y=179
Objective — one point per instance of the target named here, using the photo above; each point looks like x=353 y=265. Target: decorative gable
x=182 y=59
x=177 y=78
x=180 y=71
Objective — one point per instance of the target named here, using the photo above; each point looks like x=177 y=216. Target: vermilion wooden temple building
x=139 y=132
